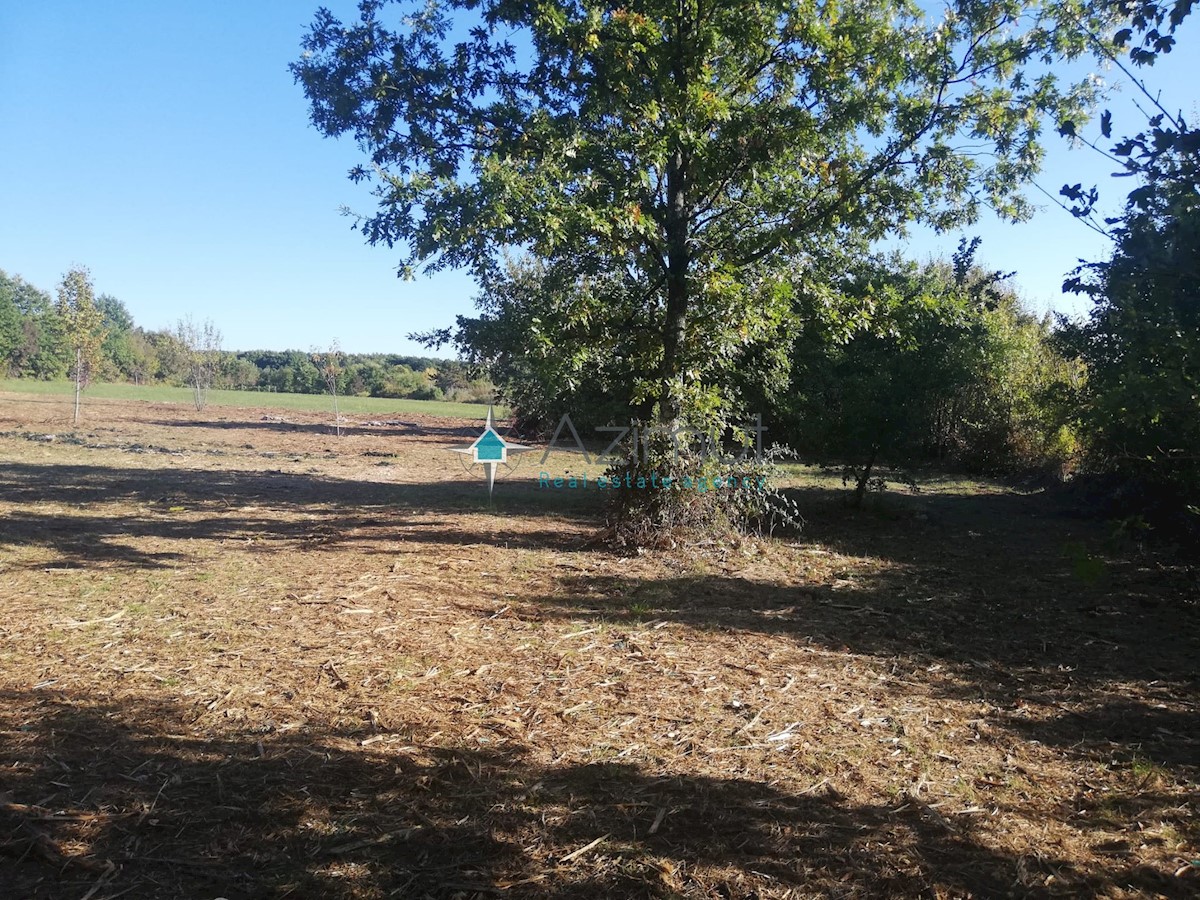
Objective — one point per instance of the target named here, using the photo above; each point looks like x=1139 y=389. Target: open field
x=161 y=393
x=243 y=658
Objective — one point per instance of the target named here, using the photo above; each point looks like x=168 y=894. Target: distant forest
x=34 y=344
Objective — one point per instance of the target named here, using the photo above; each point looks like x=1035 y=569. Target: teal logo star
x=491 y=451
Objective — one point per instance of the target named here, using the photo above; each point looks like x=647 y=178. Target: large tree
x=701 y=150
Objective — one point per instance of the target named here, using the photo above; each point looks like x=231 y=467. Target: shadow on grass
x=272 y=508
x=1003 y=640
x=133 y=798
x=986 y=590
x=1124 y=732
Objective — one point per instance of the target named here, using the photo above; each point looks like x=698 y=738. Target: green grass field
x=165 y=394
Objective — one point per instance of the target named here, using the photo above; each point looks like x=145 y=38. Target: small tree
x=201 y=344
x=83 y=324
x=1141 y=341
x=329 y=363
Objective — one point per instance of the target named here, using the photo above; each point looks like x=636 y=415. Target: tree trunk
x=675 y=320
x=864 y=478
x=78 y=383
x=678 y=223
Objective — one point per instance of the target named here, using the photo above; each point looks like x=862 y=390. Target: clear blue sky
x=165 y=146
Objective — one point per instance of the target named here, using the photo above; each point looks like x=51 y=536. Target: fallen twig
x=585 y=848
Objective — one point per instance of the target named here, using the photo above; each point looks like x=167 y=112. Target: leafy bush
x=939 y=363
x=1140 y=407
x=555 y=341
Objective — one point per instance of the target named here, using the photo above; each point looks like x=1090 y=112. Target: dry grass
x=242 y=658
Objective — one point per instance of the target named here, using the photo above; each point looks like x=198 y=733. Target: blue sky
x=165 y=146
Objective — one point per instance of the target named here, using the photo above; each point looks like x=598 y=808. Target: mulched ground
x=241 y=657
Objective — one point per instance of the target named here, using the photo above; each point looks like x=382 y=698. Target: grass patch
x=159 y=393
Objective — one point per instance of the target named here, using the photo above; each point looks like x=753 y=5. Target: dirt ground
x=242 y=657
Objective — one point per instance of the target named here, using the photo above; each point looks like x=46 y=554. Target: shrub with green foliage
x=939 y=363
x=32 y=334
x=553 y=345
x=1140 y=409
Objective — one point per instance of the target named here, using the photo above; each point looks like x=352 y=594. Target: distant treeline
x=34 y=344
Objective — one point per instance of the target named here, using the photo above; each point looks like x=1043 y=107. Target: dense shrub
x=1139 y=411
x=940 y=365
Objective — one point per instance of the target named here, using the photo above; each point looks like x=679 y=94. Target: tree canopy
x=700 y=153
x=1141 y=340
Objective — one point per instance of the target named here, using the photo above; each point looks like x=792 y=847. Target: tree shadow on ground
x=1013 y=580
x=94 y=486
x=1129 y=732
x=1011 y=599
x=272 y=508
x=133 y=797
x=1017 y=646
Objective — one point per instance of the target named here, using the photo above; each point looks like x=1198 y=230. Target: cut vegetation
x=240 y=657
